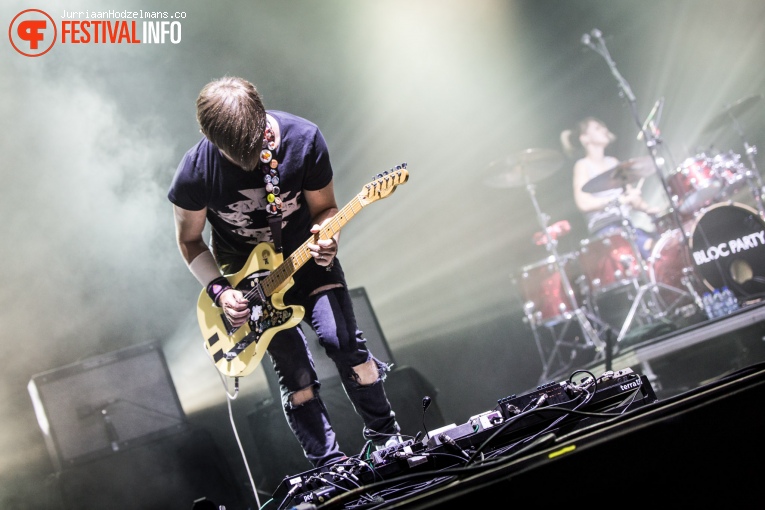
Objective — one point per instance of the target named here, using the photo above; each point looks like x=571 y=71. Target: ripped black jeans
x=331 y=315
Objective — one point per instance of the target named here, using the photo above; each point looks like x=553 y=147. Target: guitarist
x=252 y=166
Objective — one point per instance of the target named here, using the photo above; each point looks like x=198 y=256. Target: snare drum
x=728 y=249
x=694 y=185
x=543 y=289
x=608 y=261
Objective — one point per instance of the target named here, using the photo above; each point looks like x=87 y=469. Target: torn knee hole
x=367 y=373
x=300 y=397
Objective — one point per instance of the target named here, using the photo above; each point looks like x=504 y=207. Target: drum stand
x=654 y=307
x=649 y=306
x=554 y=363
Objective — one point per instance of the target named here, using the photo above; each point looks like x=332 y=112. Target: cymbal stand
x=591 y=337
x=752 y=174
x=594 y=40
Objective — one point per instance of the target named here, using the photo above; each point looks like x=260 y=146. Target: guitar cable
x=229 y=398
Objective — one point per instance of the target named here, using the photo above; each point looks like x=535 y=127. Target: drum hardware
x=695 y=185
x=610 y=260
x=629 y=172
x=614 y=265
x=661 y=293
x=652 y=142
x=525 y=169
x=730 y=116
x=730 y=113
x=529 y=166
x=546 y=298
x=731 y=171
x=704 y=180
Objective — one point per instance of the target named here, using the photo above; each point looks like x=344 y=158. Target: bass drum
x=728 y=249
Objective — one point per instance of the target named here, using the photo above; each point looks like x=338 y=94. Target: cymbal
x=626 y=172
x=530 y=165
x=726 y=116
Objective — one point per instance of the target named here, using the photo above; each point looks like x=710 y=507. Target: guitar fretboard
x=382 y=187
x=300 y=256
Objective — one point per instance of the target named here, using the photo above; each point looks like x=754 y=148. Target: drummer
x=604 y=210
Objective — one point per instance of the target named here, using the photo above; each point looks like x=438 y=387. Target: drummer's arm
x=633 y=196
x=586 y=202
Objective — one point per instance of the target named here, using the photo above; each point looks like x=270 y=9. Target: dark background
x=457 y=89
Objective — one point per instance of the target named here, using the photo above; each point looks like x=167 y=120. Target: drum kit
x=705 y=242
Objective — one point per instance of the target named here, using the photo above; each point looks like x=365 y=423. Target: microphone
x=655 y=113
x=425 y=404
x=594 y=34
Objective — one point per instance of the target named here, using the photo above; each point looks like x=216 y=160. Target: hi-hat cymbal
x=530 y=165
x=730 y=112
x=626 y=172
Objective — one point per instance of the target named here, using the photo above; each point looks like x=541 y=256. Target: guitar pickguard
x=263 y=314
x=237 y=352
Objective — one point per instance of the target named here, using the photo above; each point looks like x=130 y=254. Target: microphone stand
x=651 y=143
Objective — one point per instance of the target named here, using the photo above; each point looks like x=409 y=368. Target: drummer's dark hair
x=569 y=138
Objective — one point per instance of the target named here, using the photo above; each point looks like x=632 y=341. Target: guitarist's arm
x=189 y=226
x=323 y=206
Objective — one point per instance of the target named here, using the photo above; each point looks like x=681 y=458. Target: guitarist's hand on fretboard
x=323 y=251
x=235 y=307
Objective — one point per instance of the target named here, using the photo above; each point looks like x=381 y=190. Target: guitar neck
x=300 y=256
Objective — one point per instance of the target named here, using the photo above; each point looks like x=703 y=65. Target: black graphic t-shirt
x=236 y=199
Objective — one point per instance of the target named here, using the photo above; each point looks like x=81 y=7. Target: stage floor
x=694 y=355
x=691 y=448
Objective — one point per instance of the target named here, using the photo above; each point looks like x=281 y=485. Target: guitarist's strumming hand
x=235 y=306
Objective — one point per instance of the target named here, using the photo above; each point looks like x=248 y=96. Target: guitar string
x=276 y=274
x=334 y=222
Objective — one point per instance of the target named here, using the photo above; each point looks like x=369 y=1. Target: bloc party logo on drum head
x=728 y=248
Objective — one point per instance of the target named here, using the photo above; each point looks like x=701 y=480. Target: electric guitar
x=264 y=280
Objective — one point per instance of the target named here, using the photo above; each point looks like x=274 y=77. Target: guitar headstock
x=384 y=184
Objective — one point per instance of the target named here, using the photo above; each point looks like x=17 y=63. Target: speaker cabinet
x=169 y=473
x=105 y=404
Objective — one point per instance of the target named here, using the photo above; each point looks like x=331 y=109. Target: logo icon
x=32 y=33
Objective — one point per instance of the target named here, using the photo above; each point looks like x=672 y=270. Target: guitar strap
x=275 y=222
